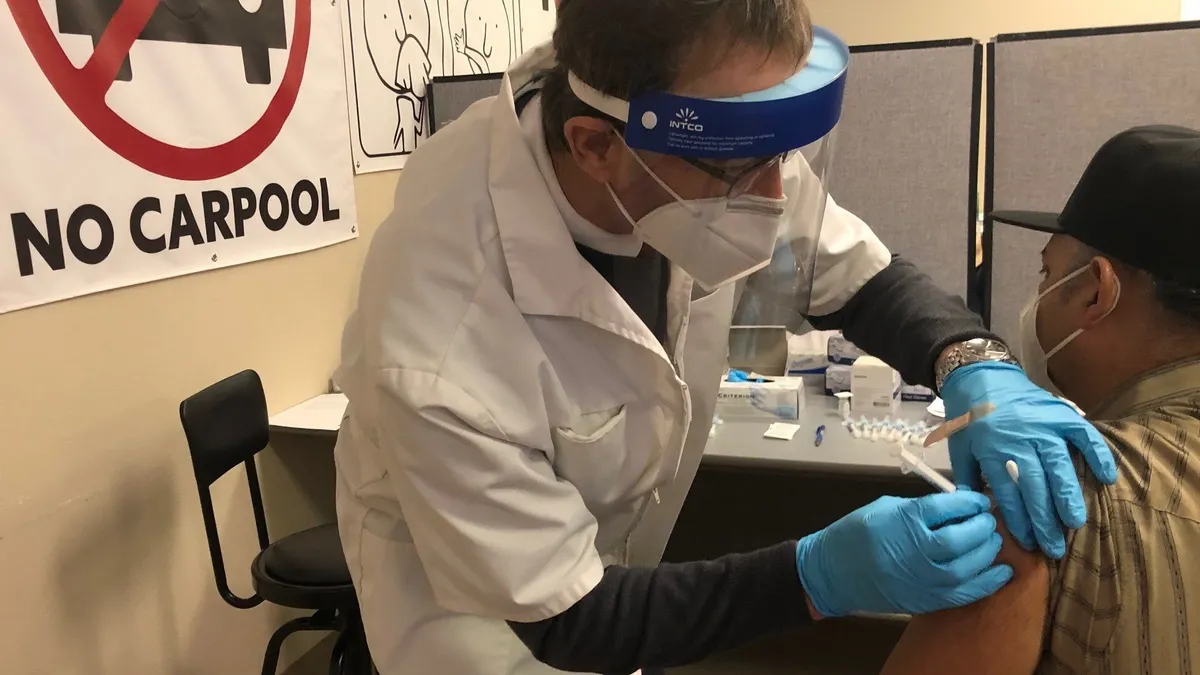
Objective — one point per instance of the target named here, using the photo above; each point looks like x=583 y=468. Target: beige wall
x=103 y=563
x=103 y=566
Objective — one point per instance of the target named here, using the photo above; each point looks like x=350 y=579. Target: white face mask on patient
x=1034 y=359
x=717 y=241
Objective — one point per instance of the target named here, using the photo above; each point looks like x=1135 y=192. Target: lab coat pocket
x=589 y=437
x=595 y=455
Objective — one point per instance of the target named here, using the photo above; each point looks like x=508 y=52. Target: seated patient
x=1117 y=321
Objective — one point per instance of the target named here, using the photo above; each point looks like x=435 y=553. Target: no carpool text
x=156 y=225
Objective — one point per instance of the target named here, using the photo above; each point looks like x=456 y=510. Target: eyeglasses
x=740 y=179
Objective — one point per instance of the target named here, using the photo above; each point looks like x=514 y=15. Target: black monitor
x=451 y=95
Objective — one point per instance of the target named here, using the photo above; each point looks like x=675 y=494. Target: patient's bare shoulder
x=1001 y=634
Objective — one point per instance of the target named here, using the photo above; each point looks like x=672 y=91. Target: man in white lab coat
x=542 y=325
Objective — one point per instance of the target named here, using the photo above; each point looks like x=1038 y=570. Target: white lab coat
x=511 y=419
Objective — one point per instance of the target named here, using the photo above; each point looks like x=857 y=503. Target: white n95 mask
x=717 y=241
x=1034 y=359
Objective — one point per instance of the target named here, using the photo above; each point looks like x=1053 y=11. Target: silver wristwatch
x=971 y=351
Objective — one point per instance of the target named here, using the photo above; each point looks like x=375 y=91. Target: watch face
x=986 y=349
x=996 y=350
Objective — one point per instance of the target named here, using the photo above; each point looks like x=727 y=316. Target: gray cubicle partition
x=907 y=148
x=1054 y=98
x=451 y=95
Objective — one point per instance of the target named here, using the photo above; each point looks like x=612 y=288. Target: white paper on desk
x=321 y=413
x=782 y=431
x=937 y=408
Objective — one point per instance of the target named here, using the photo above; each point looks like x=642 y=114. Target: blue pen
x=820 y=435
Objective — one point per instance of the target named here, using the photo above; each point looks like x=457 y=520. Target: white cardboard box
x=837 y=378
x=840 y=350
x=916 y=392
x=780 y=398
x=874 y=387
x=808 y=354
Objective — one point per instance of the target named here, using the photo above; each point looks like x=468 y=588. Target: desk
x=736 y=443
x=741 y=443
x=750 y=491
x=318 y=416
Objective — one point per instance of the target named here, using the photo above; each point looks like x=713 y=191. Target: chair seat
x=310 y=557
x=306 y=570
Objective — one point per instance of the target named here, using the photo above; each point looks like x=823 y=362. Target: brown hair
x=628 y=47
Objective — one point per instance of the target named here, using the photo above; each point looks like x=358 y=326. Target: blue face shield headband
x=735 y=140
x=791 y=115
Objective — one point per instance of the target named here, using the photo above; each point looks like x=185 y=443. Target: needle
x=910 y=462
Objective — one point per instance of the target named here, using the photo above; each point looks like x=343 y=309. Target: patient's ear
x=1106 y=292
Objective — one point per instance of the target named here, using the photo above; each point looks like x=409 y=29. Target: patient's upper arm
x=1000 y=634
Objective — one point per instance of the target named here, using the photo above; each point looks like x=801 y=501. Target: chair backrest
x=227 y=424
x=906 y=153
x=451 y=95
x=1054 y=98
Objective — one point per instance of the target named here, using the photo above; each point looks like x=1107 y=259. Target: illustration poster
x=393 y=48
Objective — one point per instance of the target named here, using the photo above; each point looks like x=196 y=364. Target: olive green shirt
x=1126 y=597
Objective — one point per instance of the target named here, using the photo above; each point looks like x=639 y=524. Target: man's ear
x=1106 y=291
x=594 y=146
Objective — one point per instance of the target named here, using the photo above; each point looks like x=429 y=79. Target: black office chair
x=226 y=424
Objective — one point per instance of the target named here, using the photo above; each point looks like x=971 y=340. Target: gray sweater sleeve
x=673 y=614
x=902 y=317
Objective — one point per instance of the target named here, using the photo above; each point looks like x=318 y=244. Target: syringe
x=911 y=463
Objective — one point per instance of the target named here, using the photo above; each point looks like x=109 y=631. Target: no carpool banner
x=147 y=139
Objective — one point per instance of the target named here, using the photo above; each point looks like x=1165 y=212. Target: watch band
x=964 y=353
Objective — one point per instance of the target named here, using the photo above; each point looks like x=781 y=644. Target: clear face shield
x=772 y=243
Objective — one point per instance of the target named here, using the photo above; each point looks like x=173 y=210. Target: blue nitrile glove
x=1031 y=427
x=908 y=556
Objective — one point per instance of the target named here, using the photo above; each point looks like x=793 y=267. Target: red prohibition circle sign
x=83 y=90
